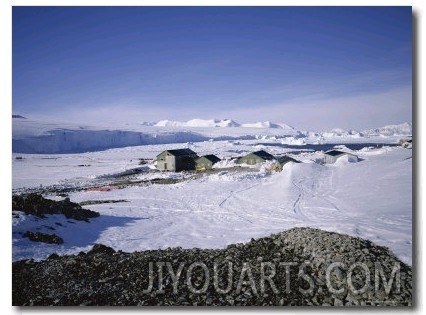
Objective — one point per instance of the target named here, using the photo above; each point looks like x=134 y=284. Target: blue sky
x=311 y=67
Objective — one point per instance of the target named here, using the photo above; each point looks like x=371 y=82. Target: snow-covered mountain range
x=388 y=130
x=31 y=136
x=198 y=123
x=217 y=123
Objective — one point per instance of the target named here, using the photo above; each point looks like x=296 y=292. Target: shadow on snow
x=77 y=235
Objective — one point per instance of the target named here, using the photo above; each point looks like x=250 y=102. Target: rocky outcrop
x=36 y=205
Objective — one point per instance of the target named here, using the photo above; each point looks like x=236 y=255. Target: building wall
x=328 y=159
x=166 y=162
x=169 y=162
x=161 y=161
x=251 y=159
x=184 y=163
x=203 y=164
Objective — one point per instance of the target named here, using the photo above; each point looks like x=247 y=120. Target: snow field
x=370 y=199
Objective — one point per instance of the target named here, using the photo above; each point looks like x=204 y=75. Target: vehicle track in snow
x=297 y=207
x=314 y=189
x=233 y=194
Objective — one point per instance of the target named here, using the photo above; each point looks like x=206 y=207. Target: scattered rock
x=53 y=256
x=36 y=205
x=96 y=202
x=101 y=249
x=42 y=237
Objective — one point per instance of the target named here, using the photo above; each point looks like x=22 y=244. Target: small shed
x=206 y=162
x=332 y=156
x=176 y=160
x=256 y=158
x=406 y=143
x=283 y=160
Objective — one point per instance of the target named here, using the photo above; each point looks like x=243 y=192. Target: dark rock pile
x=36 y=205
x=43 y=237
x=301 y=266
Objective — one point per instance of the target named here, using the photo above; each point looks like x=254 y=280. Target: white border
x=5 y=138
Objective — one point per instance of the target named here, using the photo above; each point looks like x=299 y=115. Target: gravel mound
x=301 y=266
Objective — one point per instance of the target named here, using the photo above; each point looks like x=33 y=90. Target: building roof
x=211 y=157
x=284 y=159
x=335 y=152
x=263 y=154
x=181 y=152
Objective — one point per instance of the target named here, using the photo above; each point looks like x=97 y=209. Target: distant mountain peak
x=211 y=123
x=147 y=123
x=18 y=116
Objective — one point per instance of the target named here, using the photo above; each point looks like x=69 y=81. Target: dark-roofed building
x=332 y=156
x=206 y=162
x=255 y=158
x=176 y=160
x=286 y=159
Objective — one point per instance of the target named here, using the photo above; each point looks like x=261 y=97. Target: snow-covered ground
x=371 y=199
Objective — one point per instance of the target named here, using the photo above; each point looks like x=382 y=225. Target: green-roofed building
x=206 y=162
x=286 y=159
x=332 y=156
x=283 y=160
x=254 y=158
